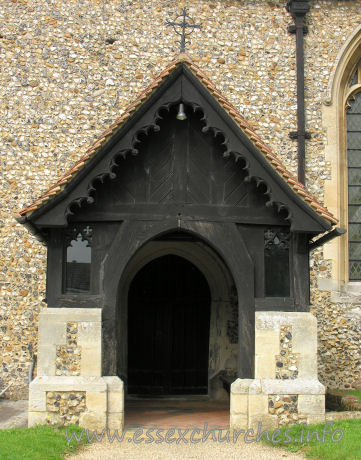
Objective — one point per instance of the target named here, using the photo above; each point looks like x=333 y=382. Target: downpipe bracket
x=292 y=29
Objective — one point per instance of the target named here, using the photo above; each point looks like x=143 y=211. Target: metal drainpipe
x=31 y=369
x=298 y=10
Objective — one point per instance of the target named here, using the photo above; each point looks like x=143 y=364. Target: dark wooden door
x=168 y=329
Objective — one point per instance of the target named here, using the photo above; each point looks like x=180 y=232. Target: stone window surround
x=351 y=94
x=336 y=196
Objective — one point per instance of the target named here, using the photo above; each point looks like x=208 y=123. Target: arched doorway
x=168 y=329
x=179 y=271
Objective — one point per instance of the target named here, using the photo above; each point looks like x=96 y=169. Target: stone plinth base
x=92 y=402
x=275 y=403
x=285 y=388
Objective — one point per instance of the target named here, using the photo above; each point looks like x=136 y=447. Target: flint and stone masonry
x=97 y=402
x=274 y=399
x=85 y=398
x=69 y=69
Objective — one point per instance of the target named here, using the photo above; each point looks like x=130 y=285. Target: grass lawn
x=36 y=443
x=348 y=448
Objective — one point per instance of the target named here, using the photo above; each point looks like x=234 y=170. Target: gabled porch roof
x=63 y=186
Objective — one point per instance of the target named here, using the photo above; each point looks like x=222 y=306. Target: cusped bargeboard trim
x=277 y=165
x=75 y=205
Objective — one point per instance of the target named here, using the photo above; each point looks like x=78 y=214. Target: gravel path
x=208 y=450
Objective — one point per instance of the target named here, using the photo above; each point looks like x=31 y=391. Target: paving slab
x=176 y=414
x=13 y=414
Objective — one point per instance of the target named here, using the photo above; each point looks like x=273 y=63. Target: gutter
x=326 y=238
x=298 y=10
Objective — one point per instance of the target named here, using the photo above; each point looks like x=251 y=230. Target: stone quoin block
x=257 y=405
x=311 y=405
x=239 y=404
x=238 y=422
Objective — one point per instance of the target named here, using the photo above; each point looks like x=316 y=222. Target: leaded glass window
x=356 y=76
x=353 y=118
x=276 y=262
x=78 y=259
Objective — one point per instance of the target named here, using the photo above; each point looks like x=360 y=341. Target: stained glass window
x=78 y=259
x=353 y=119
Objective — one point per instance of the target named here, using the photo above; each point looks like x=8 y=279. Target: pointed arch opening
x=177 y=320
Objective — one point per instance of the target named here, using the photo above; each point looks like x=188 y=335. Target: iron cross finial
x=187 y=23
